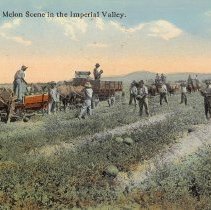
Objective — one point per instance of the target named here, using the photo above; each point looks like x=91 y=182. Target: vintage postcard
x=105 y=104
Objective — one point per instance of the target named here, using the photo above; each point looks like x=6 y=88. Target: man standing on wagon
x=97 y=73
x=19 y=83
x=87 y=105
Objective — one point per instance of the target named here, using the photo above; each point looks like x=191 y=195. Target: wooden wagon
x=105 y=89
x=102 y=89
x=31 y=103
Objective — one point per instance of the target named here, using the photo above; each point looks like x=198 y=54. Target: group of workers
x=138 y=92
x=19 y=85
x=160 y=78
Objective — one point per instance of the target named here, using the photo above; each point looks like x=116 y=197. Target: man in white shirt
x=183 y=93
x=19 y=83
x=143 y=98
x=87 y=105
x=163 y=94
x=53 y=98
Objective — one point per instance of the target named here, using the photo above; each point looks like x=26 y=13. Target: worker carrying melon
x=97 y=73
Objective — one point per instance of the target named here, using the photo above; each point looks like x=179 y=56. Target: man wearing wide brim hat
x=157 y=79
x=142 y=97
x=20 y=83
x=133 y=92
x=24 y=67
x=87 y=105
x=97 y=73
x=208 y=83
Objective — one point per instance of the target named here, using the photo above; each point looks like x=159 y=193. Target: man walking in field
x=111 y=100
x=157 y=79
x=183 y=93
x=163 y=94
x=163 y=78
x=143 y=98
x=207 y=99
x=87 y=105
x=19 y=83
x=53 y=98
x=133 y=93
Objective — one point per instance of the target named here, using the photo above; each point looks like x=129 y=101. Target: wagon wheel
x=44 y=105
x=10 y=110
x=20 y=112
x=45 y=108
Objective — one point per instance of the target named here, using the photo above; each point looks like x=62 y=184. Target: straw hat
x=24 y=67
x=87 y=85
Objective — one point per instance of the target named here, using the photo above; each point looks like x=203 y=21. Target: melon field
x=114 y=159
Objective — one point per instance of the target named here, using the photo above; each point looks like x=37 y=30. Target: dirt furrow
x=102 y=136
x=186 y=146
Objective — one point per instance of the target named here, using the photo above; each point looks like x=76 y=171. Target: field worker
x=208 y=85
x=196 y=77
x=163 y=94
x=97 y=73
x=143 y=98
x=87 y=105
x=53 y=98
x=190 y=81
x=157 y=79
x=163 y=78
x=95 y=101
x=58 y=101
x=19 y=83
x=111 y=100
x=207 y=100
x=183 y=93
x=133 y=92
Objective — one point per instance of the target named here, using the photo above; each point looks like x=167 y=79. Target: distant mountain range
x=146 y=75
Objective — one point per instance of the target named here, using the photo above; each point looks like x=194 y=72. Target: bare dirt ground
x=189 y=144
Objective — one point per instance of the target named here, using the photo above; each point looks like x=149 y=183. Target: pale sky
x=158 y=36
